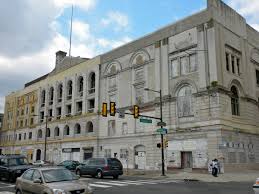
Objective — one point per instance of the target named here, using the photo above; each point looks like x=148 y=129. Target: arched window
x=234 y=101
x=56 y=132
x=77 y=129
x=51 y=95
x=89 y=127
x=92 y=83
x=39 y=133
x=60 y=91
x=184 y=102
x=80 y=84
x=69 y=89
x=43 y=97
x=48 y=132
x=66 y=130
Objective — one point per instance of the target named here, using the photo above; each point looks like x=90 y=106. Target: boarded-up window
x=193 y=63
x=175 y=68
x=111 y=128
x=139 y=90
x=242 y=157
x=184 y=102
x=184 y=65
x=107 y=153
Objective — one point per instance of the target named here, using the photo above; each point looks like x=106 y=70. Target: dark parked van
x=12 y=166
x=100 y=167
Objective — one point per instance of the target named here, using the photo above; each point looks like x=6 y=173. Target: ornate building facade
x=207 y=67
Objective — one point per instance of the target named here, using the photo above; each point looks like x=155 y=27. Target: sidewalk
x=244 y=176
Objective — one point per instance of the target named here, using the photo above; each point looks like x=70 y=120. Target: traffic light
x=158 y=145
x=104 y=110
x=136 y=111
x=166 y=143
x=112 y=108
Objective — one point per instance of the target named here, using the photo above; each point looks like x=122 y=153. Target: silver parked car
x=51 y=180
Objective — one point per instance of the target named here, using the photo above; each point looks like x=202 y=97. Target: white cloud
x=81 y=30
x=248 y=9
x=117 y=19
x=83 y=4
x=113 y=43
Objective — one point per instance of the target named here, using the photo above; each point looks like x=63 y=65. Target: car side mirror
x=37 y=181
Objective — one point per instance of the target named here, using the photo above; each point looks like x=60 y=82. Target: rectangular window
x=32 y=109
x=58 y=112
x=238 y=66
x=24 y=136
x=30 y=135
x=31 y=122
x=124 y=128
x=91 y=105
x=233 y=64
x=107 y=153
x=20 y=137
x=227 y=61
x=79 y=107
x=139 y=93
x=139 y=74
x=257 y=77
x=123 y=153
x=111 y=128
x=184 y=65
x=41 y=116
x=175 y=68
x=69 y=108
x=193 y=63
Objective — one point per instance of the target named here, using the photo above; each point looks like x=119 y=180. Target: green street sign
x=143 y=120
x=162 y=131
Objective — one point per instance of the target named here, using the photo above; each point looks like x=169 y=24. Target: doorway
x=38 y=154
x=140 y=157
x=186 y=160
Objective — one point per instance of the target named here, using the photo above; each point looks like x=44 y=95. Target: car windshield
x=58 y=175
x=17 y=161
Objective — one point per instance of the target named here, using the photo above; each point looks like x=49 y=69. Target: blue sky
x=33 y=30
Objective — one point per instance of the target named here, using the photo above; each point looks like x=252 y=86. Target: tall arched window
x=234 y=101
x=66 y=130
x=56 y=132
x=92 y=83
x=43 y=97
x=80 y=84
x=184 y=102
x=77 y=129
x=60 y=92
x=51 y=95
x=48 y=132
x=69 y=89
x=89 y=127
x=39 y=133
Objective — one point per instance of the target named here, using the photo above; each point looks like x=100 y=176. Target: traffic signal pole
x=162 y=136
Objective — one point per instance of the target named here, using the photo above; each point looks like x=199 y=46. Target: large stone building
x=207 y=67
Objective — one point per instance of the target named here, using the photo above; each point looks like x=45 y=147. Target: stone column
x=64 y=97
x=74 y=94
x=84 y=94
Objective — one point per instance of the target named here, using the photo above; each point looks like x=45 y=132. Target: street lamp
x=161 y=122
x=45 y=138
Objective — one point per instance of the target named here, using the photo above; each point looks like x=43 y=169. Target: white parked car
x=38 y=163
x=256 y=186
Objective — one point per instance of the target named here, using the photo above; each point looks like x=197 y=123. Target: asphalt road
x=130 y=185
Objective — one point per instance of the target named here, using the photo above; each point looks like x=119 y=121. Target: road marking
x=109 y=183
x=8 y=186
x=6 y=192
x=101 y=186
x=126 y=182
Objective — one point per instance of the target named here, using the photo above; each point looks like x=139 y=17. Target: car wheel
x=115 y=176
x=78 y=172
x=18 y=191
x=99 y=174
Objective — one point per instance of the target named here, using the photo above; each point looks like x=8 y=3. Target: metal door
x=186 y=159
x=141 y=160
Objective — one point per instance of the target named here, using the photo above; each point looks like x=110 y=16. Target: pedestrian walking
x=215 y=167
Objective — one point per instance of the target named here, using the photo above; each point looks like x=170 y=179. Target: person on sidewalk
x=215 y=167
